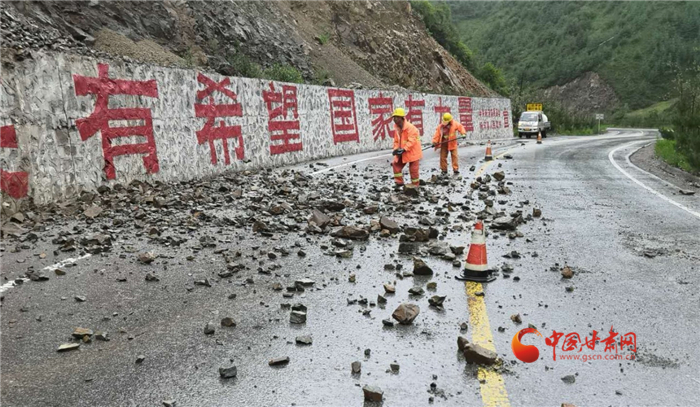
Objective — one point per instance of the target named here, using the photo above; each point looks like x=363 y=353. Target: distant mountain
x=630 y=45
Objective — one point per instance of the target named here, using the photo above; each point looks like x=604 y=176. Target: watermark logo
x=525 y=353
x=617 y=347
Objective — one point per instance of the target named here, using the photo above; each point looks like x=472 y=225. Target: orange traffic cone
x=489 y=155
x=476 y=267
x=539 y=137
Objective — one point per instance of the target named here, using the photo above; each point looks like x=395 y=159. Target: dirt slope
x=358 y=43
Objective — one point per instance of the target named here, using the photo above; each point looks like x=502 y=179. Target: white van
x=532 y=122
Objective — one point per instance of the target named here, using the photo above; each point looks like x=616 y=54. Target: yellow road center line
x=491 y=383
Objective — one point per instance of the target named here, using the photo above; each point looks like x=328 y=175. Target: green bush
x=321 y=76
x=324 y=38
x=667 y=133
x=244 y=66
x=667 y=151
x=687 y=138
x=438 y=21
x=493 y=77
x=283 y=73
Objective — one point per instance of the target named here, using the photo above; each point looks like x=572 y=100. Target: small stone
x=566 y=272
x=389 y=288
x=356 y=367
x=570 y=289
x=373 y=394
x=102 y=336
x=228 y=322
x=389 y=224
x=432 y=285
x=81 y=332
x=536 y=212
x=416 y=291
x=394 y=367
x=297 y=317
x=406 y=313
x=381 y=299
x=68 y=346
x=140 y=359
x=351 y=232
x=352 y=278
x=80 y=298
x=420 y=268
x=570 y=379
x=516 y=318
x=436 y=300
x=499 y=176
x=463 y=327
x=169 y=403
x=59 y=272
x=146 y=258
x=209 y=328
x=278 y=361
x=151 y=277
x=228 y=372
x=205 y=282
x=304 y=340
x=387 y=322
x=92 y=212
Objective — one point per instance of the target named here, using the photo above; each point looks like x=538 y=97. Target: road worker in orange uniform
x=407 y=148
x=445 y=139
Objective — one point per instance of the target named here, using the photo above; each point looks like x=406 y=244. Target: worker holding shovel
x=445 y=139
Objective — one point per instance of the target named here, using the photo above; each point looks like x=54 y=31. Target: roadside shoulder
x=645 y=159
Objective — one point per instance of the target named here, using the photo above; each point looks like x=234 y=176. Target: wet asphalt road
x=595 y=219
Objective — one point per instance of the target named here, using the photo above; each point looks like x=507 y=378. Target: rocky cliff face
x=587 y=94
x=353 y=43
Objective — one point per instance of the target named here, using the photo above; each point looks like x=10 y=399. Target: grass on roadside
x=666 y=150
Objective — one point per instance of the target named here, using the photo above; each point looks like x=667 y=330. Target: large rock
x=420 y=268
x=319 y=218
x=351 y=232
x=408 y=248
x=506 y=223
x=373 y=393
x=332 y=206
x=406 y=313
x=478 y=354
x=389 y=224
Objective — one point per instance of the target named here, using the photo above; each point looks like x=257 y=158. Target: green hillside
x=631 y=45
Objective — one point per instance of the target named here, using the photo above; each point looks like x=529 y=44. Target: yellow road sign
x=534 y=106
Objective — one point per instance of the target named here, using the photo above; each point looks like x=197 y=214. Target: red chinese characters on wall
x=283 y=119
x=441 y=109
x=14 y=184
x=210 y=132
x=104 y=87
x=343 y=116
x=506 y=119
x=494 y=123
x=381 y=107
x=465 y=113
x=414 y=112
